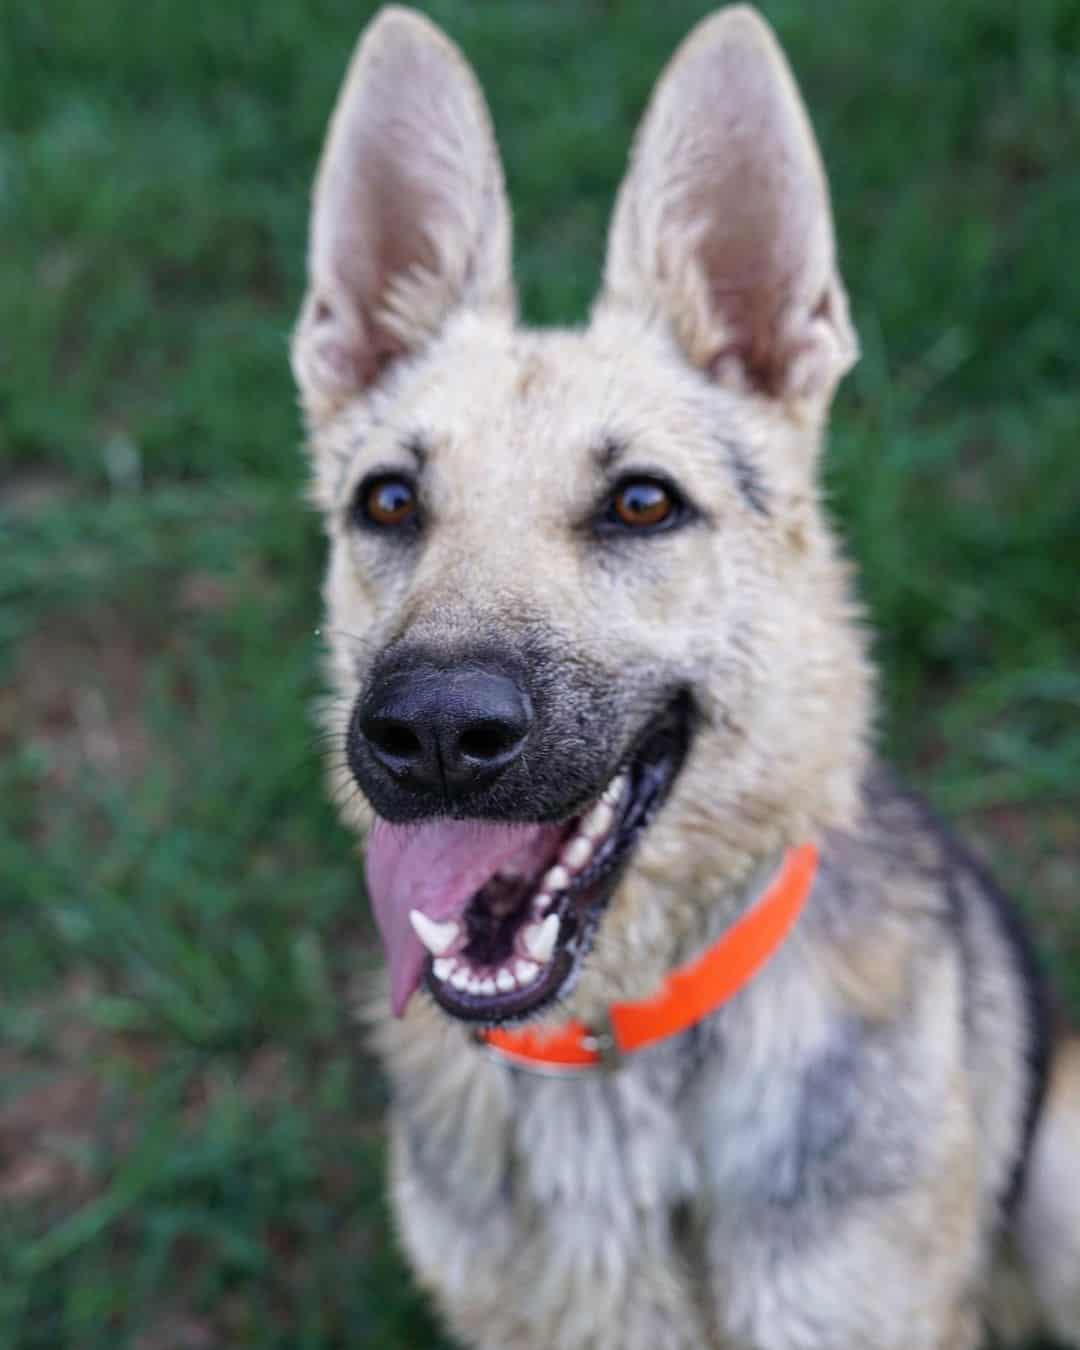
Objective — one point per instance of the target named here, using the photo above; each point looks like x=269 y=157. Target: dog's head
x=592 y=651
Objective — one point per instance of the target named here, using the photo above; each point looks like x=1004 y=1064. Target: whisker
x=364 y=639
x=328 y=737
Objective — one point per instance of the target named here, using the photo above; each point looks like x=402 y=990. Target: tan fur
x=824 y=1169
x=1049 y=1232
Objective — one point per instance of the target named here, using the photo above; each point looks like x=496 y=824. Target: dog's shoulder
x=903 y=896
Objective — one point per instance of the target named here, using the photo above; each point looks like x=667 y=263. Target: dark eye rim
x=358 y=506
x=607 y=522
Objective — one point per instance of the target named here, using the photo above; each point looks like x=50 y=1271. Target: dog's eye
x=643 y=504
x=386 y=501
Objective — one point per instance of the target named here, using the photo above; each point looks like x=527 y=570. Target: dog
x=700 y=1030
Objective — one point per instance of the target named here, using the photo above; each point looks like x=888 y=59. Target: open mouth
x=495 y=918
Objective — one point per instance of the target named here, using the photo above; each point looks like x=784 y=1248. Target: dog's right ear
x=409 y=218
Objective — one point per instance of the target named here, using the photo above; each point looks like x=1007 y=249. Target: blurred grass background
x=190 y=1148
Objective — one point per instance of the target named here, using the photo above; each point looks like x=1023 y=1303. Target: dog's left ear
x=722 y=227
x=409 y=216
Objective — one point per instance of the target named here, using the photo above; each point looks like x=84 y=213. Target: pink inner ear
x=339 y=348
x=340 y=363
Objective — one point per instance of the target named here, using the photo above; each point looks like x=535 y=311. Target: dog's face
x=590 y=645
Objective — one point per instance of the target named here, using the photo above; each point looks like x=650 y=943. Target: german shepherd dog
x=599 y=677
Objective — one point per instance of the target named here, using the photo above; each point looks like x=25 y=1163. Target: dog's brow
x=416 y=446
x=608 y=453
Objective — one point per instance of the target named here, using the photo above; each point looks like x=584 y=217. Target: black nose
x=446 y=732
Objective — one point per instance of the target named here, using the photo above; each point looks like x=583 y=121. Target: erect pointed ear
x=722 y=226
x=409 y=218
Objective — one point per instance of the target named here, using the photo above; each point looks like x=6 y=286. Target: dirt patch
x=49 y=1103
x=76 y=696
x=178 y=1331
x=27 y=494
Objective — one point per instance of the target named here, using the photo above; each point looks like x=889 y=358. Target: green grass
x=190 y=1152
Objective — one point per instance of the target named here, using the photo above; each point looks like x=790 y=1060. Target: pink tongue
x=437 y=867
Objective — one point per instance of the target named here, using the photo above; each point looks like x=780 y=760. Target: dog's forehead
x=554 y=403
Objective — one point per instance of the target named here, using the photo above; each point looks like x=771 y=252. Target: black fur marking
x=608 y=453
x=1039 y=1021
x=749 y=479
x=416 y=446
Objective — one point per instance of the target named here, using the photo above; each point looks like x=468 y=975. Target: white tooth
x=505 y=981
x=541 y=902
x=443 y=967
x=526 y=971
x=557 y=879
x=577 y=853
x=539 y=938
x=436 y=937
x=460 y=978
x=599 y=820
x=487 y=985
x=614 y=790
x=474 y=984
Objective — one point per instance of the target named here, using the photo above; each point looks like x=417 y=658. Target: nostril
x=438 y=732
x=394 y=739
x=487 y=741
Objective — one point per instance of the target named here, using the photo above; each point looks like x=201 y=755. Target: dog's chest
x=567 y=1193
x=590 y=1200
x=615 y=1147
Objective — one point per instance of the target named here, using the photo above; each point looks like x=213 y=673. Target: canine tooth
x=487 y=985
x=539 y=938
x=460 y=979
x=557 y=879
x=541 y=902
x=443 y=967
x=599 y=821
x=436 y=937
x=577 y=853
x=526 y=971
x=614 y=790
x=505 y=980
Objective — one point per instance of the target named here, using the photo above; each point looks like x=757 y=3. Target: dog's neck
x=692 y=992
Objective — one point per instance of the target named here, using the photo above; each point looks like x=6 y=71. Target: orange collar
x=687 y=995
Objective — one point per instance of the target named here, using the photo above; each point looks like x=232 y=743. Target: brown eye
x=643 y=503
x=386 y=501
